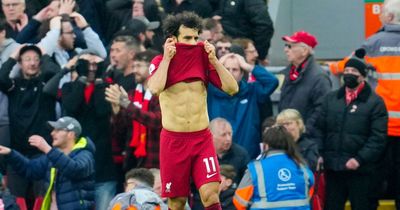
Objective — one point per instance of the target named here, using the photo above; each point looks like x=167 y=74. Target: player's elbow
x=232 y=89
x=154 y=88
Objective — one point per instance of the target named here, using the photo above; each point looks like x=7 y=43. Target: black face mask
x=350 y=80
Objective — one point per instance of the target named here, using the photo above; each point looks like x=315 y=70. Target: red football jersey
x=189 y=64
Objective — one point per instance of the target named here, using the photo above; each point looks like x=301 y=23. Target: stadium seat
x=21 y=203
x=38 y=203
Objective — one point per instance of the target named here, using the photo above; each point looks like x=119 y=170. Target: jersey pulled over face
x=184 y=99
x=183 y=102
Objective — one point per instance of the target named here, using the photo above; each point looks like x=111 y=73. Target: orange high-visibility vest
x=383 y=52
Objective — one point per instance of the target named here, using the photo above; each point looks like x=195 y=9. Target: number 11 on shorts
x=207 y=162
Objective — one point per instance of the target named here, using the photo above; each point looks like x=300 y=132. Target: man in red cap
x=305 y=82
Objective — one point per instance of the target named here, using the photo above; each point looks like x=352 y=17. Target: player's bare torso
x=184 y=107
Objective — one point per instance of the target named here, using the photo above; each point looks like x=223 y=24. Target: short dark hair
x=27 y=48
x=143 y=175
x=146 y=56
x=130 y=42
x=65 y=18
x=243 y=42
x=228 y=171
x=268 y=122
x=187 y=19
x=225 y=39
x=209 y=23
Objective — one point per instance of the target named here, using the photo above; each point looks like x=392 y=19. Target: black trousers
x=392 y=169
x=343 y=185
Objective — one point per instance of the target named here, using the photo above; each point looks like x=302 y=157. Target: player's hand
x=4 y=150
x=210 y=50
x=40 y=143
x=169 y=48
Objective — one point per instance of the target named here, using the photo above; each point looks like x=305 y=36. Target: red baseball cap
x=302 y=36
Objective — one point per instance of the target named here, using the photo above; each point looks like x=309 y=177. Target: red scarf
x=351 y=95
x=139 y=132
x=88 y=92
x=295 y=71
x=251 y=78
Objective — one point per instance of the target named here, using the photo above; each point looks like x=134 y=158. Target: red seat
x=21 y=203
x=38 y=203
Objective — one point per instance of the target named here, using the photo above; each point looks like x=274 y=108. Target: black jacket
x=201 y=8
x=308 y=148
x=357 y=130
x=250 y=19
x=29 y=107
x=94 y=118
x=238 y=157
x=118 y=13
x=74 y=174
x=226 y=198
x=305 y=94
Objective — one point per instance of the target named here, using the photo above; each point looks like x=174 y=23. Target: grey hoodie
x=6 y=48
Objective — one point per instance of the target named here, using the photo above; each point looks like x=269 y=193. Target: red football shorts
x=184 y=156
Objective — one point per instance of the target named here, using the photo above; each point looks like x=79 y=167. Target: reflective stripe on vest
x=280 y=204
x=260 y=180
x=265 y=204
x=372 y=74
x=388 y=76
x=241 y=200
x=47 y=198
x=394 y=114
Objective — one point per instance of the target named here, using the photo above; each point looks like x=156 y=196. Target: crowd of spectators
x=90 y=60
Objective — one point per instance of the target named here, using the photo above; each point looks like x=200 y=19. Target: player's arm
x=156 y=83
x=228 y=83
